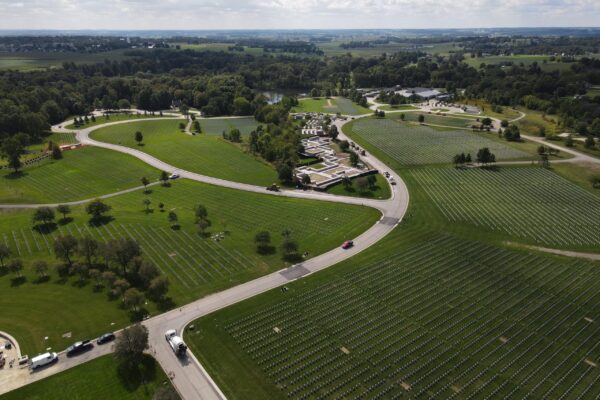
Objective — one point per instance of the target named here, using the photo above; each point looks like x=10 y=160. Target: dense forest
x=229 y=83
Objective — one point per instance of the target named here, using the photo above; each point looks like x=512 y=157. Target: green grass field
x=112 y=118
x=39 y=60
x=195 y=265
x=407 y=144
x=425 y=316
x=530 y=204
x=331 y=106
x=82 y=173
x=438 y=119
x=381 y=190
x=216 y=126
x=543 y=61
x=400 y=107
x=204 y=154
x=96 y=379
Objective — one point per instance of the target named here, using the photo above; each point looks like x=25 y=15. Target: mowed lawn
x=96 y=379
x=195 y=264
x=216 y=126
x=332 y=106
x=429 y=315
x=82 y=173
x=530 y=204
x=406 y=144
x=204 y=154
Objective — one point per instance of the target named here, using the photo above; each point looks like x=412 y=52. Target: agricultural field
x=40 y=60
x=444 y=318
x=112 y=118
x=544 y=62
x=531 y=204
x=216 y=126
x=204 y=154
x=195 y=264
x=407 y=144
x=81 y=174
x=331 y=106
x=96 y=379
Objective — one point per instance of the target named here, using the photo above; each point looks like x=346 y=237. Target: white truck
x=176 y=342
x=43 y=359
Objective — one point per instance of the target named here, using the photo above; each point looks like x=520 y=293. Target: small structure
x=333 y=166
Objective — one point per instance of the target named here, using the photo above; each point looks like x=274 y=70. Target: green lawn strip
x=96 y=379
x=216 y=126
x=400 y=107
x=204 y=154
x=331 y=106
x=195 y=265
x=373 y=312
x=381 y=190
x=82 y=173
x=114 y=118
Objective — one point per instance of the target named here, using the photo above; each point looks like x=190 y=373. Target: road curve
x=188 y=376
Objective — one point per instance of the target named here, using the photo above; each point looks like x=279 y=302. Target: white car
x=174 y=175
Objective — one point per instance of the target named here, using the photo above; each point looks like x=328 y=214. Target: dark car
x=79 y=347
x=107 y=337
x=347 y=244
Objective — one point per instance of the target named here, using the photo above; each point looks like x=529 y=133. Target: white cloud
x=228 y=14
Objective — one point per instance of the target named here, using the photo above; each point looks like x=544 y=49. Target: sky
x=295 y=14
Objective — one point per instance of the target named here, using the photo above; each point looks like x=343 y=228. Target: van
x=43 y=359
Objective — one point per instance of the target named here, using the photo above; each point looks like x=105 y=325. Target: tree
x=123 y=251
x=263 y=241
x=196 y=126
x=16 y=267
x=41 y=268
x=81 y=270
x=333 y=132
x=56 y=153
x=147 y=203
x=484 y=156
x=504 y=123
x=372 y=180
x=344 y=145
x=4 y=254
x=306 y=179
x=181 y=126
x=96 y=209
x=402 y=116
x=421 y=118
x=200 y=212
x=145 y=181
x=235 y=135
x=164 y=177
x=362 y=184
x=468 y=158
x=64 y=210
x=64 y=248
x=289 y=247
x=172 y=218
x=119 y=287
x=11 y=149
x=43 y=215
x=354 y=159
x=285 y=173
x=589 y=142
x=158 y=288
x=139 y=137
x=569 y=141
x=96 y=276
x=457 y=160
x=512 y=133
x=133 y=299
x=202 y=225
x=146 y=272
x=130 y=345
x=87 y=248
x=109 y=278
x=347 y=182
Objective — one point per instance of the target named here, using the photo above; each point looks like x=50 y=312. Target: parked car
x=347 y=244
x=79 y=347
x=107 y=337
x=43 y=359
x=174 y=175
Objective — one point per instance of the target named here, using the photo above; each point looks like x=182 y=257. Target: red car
x=347 y=244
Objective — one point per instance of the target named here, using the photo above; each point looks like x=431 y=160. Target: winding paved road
x=188 y=376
